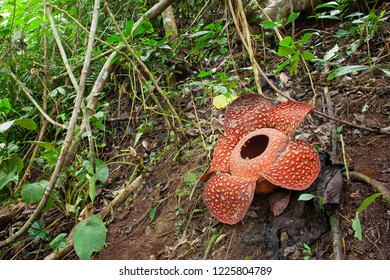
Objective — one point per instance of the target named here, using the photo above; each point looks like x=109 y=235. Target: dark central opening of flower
x=254 y=147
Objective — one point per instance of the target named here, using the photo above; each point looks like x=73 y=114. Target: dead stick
x=336 y=237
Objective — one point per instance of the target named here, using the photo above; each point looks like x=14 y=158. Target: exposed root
x=378 y=186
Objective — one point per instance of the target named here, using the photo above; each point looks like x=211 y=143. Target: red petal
x=296 y=168
x=286 y=117
x=221 y=155
x=228 y=197
x=256 y=152
x=245 y=114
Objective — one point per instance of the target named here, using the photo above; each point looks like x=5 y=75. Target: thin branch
x=147 y=71
x=29 y=95
x=153 y=12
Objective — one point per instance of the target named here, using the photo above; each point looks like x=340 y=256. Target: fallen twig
x=337 y=243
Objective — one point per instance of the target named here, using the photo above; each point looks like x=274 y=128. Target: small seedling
x=307 y=251
x=356 y=221
x=37 y=231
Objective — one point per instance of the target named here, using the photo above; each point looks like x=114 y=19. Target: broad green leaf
x=199 y=33
x=5 y=106
x=144 y=27
x=59 y=242
x=89 y=236
x=203 y=74
x=220 y=89
x=5 y=178
x=287 y=41
x=268 y=24
x=46 y=145
x=27 y=124
x=306 y=197
x=129 y=28
x=285 y=51
x=346 y=70
x=308 y=56
x=221 y=101
x=306 y=38
x=15 y=162
x=293 y=16
x=102 y=171
x=5 y=126
x=332 y=5
x=331 y=53
x=367 y=202
x=32 y=193
x=357 y=227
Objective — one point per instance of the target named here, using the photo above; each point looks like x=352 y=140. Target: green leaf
x=308 y=56
x=203 y=74
x=306 y=197
x=220 y=89
x=5 y=106
x=199 y=33
x=92 y=187
x=332 y=5
x=144 y=27
x=346 y=70
x=152 y=213
x=287 y=41
x=286 y=51
x=59 y=242
x=46 y=145
x=102 y=171
x=357 y=227
x=367 y=202
x=16 y=162
x=5 y=178
x=293 y=16
x=386 y=71
x=305 y=38
x=282 y=65
x=27 y=124
x=191 y=179
x=129 y=28
x=331 y=53
x=5 y=126
x=89 y=236
x=268 y=24
x=221 y=101
x=32 y=193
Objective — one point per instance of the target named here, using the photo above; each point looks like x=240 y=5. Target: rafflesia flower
x=258 y=154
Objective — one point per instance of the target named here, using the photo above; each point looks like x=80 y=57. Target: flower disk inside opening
x=254 y=147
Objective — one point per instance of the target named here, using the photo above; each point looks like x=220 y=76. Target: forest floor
x=166 y=217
